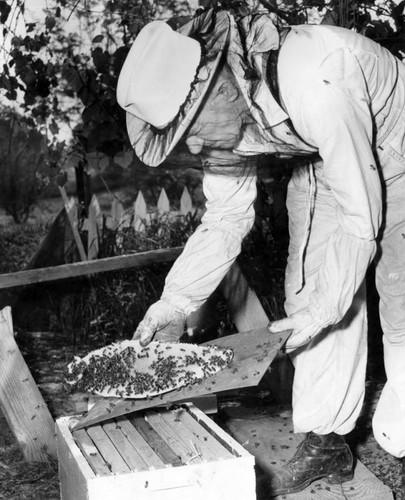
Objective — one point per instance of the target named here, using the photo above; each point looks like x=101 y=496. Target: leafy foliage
x=104 y=307
x=68 y=79
x=23 y=166
x=17 y=245
x=58 y=72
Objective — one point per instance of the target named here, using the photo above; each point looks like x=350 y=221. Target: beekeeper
x=235 y=88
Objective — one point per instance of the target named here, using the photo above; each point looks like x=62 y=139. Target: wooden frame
x=162 y=456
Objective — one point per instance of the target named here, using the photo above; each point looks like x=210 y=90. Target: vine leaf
x=4 y=11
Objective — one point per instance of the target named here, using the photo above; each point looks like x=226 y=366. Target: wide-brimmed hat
x=155 y=79
x=167 y=74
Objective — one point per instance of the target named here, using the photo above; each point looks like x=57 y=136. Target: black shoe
x=318 y=456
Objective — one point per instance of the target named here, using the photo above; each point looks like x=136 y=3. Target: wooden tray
x=253 y=353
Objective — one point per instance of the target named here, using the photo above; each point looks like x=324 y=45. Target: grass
x=18 y=243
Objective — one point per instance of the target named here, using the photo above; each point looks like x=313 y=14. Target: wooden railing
x=137 y=216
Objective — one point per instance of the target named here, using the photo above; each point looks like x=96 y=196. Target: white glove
x=305 y=328
x=162 y=322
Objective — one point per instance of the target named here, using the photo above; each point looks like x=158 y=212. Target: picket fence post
x=163 y=204
x=140 y=213
x=186 y=203
x=116 y=213
x=94 y=219
x=137 y=216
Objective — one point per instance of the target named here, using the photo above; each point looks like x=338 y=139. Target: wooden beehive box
x=157 y=455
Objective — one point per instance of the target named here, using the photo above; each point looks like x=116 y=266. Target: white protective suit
x=345 y=97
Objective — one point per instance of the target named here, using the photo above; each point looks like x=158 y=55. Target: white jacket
x=343 y=93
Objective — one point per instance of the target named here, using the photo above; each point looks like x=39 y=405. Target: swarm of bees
x=127 y=370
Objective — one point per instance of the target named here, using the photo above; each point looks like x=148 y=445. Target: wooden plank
x=91 y=453
x=73 y=223
x=51 y=250
x=65 y=271
x=107 y=449
x=248 y=313
x=179 y=444
x=206 y=435
x=253 y=353
x=244 y=306
x=116 y=214
x=140 y=213
x=204 y=319
x=124 y=446
x=188 y=427
x=148 y=455
x=93 y=228
x=163 y=204
x=20 y=399
x=268 y=434
x=74 y=470
x=186 y=204
x=225 y=439
x=208 y=403
x=155 y=441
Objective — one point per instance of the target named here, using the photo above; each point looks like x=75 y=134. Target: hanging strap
x=272 y=82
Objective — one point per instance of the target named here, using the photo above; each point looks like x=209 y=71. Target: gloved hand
x=161 y=322
x=305 y=327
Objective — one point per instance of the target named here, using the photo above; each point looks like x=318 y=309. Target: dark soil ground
x=47 y=355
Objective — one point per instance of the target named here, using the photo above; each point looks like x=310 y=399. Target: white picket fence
x=137 y=216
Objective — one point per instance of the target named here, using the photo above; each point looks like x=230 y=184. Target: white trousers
x=329 y=381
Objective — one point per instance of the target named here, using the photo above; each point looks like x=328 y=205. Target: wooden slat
x=93 y=228
x=77 y=269
x=91 y=453
x=208 y=403
x=107 y=449
x=156 y=442
x=215 y=446
x=186 y=204
x=124 y=446
x=163 y=204
x=140 y=212
x=233 y=446
x=72 y=217
x=189 y=430
x=116 y=214
x=148 y=455
x=248 y=313
x=244 y=306
x=20 y=399
x=179 y=444
x=74 y=470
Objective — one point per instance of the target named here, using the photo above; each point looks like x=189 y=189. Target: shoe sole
x=331 y=479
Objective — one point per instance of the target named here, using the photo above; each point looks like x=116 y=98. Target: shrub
x=17 y=245
x=23 y=166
